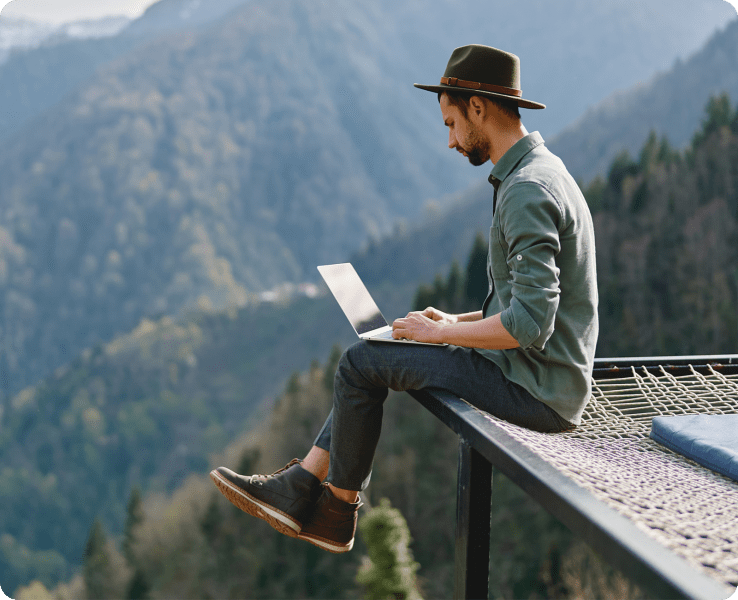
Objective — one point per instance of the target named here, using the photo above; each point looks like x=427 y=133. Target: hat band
x=487 y=87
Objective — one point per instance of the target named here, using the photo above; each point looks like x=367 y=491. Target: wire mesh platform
x=685 y=507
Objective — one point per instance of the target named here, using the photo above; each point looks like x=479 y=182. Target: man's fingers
x=398 y=331
x=432 y=314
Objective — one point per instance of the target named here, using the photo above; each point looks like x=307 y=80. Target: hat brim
x=449 y=88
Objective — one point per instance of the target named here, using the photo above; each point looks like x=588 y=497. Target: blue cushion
x=710 y=440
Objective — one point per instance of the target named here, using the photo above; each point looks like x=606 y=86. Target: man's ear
x=477 y=107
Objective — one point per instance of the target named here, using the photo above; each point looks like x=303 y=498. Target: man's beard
x=478 y=151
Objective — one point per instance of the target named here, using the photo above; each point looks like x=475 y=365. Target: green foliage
x=671 y=102
x=389 y=570
x=98 y=568
x=595 y=194
x=666 y=265
x=622 y=167
x=216 y=551
x=195 y=544
x=139 y=588
x=145 y=410
x=460 y=291
x=45 y=566
x=331 y=366
x=476 y=285
x=656 y=152
x=718 y=115
x=134 y=518
x=293 y=384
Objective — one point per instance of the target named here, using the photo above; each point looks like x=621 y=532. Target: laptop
x=358 y=305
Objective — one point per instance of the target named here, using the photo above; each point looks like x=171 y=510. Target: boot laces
x=264 y=478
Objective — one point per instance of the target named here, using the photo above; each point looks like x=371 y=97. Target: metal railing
x=483 y=446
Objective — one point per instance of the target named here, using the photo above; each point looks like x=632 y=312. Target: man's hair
x=461 y=100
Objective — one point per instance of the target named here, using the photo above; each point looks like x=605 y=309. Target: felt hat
x=483 y=71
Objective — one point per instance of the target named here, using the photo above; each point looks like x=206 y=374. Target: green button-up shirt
x=542 y=277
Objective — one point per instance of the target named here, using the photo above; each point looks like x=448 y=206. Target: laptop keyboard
x=387 y=335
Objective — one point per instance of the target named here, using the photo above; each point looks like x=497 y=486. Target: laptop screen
x=353 y=297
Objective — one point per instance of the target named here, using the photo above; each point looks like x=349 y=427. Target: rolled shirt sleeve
x=530 y=219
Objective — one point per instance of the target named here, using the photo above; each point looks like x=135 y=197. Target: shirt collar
x=513 y=156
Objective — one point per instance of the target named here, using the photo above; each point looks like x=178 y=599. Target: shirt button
x=519 y=257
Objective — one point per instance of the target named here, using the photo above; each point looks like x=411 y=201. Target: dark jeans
x=366 y=371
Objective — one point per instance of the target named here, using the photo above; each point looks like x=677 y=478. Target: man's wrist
x=469 y=317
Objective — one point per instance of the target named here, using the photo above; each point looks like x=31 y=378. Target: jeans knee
x=356 y=366
x=350 y=358
x=357 y=354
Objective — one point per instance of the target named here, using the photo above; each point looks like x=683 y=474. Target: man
x=526 y=356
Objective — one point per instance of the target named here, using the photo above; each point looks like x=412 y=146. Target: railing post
x=473 y=517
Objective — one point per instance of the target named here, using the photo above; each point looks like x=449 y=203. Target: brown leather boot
x=285 y=499
x=332 y=525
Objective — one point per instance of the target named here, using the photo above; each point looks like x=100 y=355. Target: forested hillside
x=147 y=409
x=220 y=159
x=195 y=544
x=59 y=59
x=168 y=183
x=667 y=243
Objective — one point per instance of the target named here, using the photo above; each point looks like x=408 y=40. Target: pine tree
x=718 y=114
x=331 y=366
x=293 y=384
x=454 y=288
x=138 y=588
x=424 y=297
x=389 y=570
x=97 y=570
x=476 y=285
x=134 y=518
x=622 y=167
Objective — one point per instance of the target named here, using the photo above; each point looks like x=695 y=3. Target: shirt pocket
x=497 y=258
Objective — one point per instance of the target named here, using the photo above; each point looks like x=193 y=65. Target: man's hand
x=439 y=316
x=423 y=326
x=470 y=330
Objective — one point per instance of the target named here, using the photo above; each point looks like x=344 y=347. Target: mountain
x=21 y=34
x=215 y=160
x=40 y=63
x=670 y=104
x=657 y=32
x=168 y=182
x=167 y=16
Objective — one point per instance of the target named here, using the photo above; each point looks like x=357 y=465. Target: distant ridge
x=671 y=103
x=53 y=61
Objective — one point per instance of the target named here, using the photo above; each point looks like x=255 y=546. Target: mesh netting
x=686 y=507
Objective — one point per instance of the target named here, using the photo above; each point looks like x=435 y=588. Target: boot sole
x=330 y=546
x=248 y=504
